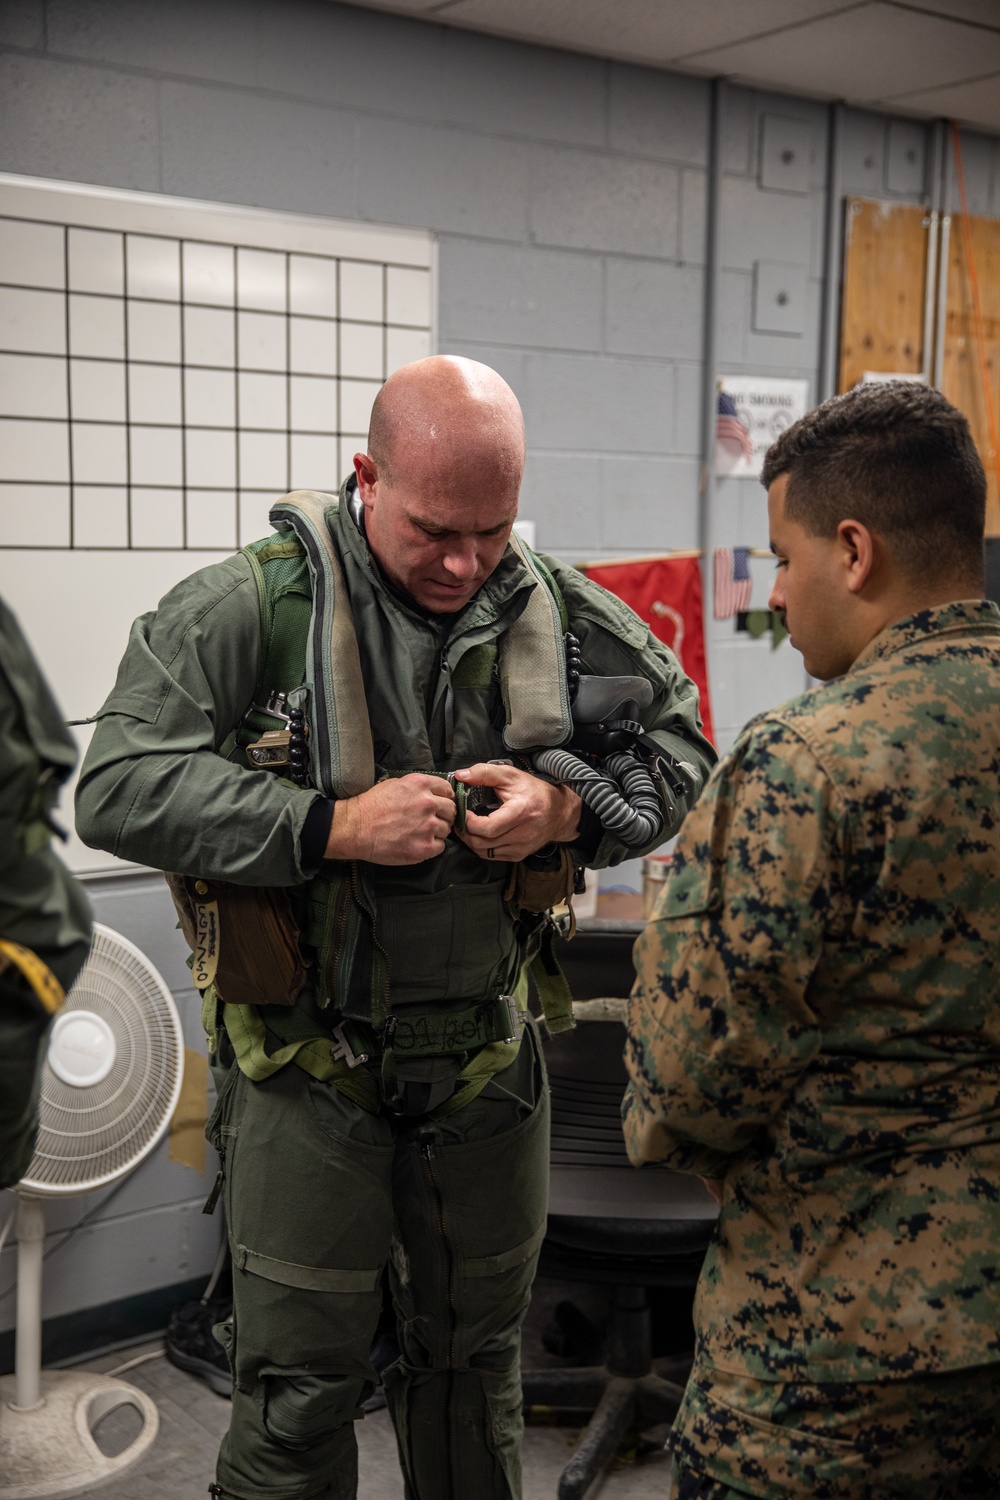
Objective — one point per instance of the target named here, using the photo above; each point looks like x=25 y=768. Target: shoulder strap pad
x=532 y=665
x=341 y=751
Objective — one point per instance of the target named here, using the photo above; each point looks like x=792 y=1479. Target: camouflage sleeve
x=719 y=1025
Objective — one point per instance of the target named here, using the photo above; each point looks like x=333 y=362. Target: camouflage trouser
x=930 y=1437
x=324 y=1198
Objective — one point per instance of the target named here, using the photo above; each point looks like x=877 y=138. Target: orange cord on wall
x=984 y=369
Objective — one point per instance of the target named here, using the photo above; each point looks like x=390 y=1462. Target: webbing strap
x=306 y=1278
x=492 y=1265
x=553 y=987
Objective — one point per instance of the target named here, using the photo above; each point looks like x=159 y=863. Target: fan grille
x=89 y=1136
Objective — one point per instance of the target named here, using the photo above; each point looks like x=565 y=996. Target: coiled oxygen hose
x=622 y=794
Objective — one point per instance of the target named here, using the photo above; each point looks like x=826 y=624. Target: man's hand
x=402 y=821
x=534 y=813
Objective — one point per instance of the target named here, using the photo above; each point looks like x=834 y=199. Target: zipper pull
x=213 y=1196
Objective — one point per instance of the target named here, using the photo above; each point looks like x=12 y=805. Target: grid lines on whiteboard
x=159 y=392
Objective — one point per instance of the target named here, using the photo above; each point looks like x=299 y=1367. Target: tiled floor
x=193 y=1419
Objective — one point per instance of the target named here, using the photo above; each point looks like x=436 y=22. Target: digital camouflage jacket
x=817 y=1018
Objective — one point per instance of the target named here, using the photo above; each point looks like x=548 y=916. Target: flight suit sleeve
x=153 y=788
x=42 y=907
x=614 y=641
x=719 y=1023
x=44 y=911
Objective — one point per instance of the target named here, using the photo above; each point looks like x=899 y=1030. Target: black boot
x=191 y=1345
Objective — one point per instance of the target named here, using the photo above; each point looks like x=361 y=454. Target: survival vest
x=245 y=939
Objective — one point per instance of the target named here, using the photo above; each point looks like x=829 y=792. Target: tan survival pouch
x=243 y=938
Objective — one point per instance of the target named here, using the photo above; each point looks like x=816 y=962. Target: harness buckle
x=515 y=1018
x=344 y=1050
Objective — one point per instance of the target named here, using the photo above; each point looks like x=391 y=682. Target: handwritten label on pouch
x=206 y=949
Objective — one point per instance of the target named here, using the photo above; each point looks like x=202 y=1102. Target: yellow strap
x=38 y=974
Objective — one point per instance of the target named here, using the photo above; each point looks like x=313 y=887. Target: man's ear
x=857 y=554
x=365 y=469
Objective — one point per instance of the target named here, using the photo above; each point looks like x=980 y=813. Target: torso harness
x=570 y=728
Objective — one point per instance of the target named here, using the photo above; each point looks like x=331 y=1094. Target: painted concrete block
x=338 y=54
x=863 y=154
x=812 y=119
x=733 y=317
x=653 y=308
x=80 y=123
x=651 y=506
x=593 y=202
x=447 y=179
x=694 y=227
x=779 y=293
x=22 y=23
x=543 y=299
x=139 y=907
x=491 y=85
x=562 y=494
x=739 y=135
x=761 y=225
x=652 y=113
x=598 y=405
x=785 y=154
x=687 y=408
x=784 y=355
x=906 y=158
x=267 y=151
x=120 y=1257
x=217 y=41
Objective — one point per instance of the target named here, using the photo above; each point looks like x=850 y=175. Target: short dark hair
x=898 y=457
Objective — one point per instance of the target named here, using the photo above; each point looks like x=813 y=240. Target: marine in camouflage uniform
x=816 y=1024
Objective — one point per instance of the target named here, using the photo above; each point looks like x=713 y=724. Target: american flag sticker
x=729 y=428
x=731 y=581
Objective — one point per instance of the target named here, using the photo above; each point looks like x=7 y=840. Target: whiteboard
x=167 y=369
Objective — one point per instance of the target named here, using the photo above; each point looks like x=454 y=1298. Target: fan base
x=50 y=1450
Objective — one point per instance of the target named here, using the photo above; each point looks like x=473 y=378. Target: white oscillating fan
x=110 y=1083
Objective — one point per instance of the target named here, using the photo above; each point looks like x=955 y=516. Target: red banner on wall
x=666 y=593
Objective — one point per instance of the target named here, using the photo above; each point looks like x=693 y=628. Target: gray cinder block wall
x=568 y=197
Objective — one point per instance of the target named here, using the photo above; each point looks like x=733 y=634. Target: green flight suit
x=43 y=910
x=323 y=1194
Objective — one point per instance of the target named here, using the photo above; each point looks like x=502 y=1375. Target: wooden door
x=885 y=282
x=961 y=376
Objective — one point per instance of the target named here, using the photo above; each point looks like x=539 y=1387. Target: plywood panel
x=885 y=269
x=961 y=379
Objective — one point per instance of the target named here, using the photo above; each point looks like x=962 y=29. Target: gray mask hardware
x=620 y=772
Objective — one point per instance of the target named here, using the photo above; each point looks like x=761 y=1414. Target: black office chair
x=610 y=1224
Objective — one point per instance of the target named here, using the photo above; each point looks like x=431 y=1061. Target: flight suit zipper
x=427 y=1152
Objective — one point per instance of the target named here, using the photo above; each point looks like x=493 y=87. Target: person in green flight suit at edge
x=45 y=922
x=815 y=1025
x=382 y=1109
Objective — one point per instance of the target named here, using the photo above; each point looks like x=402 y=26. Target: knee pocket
x=301 y=1410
